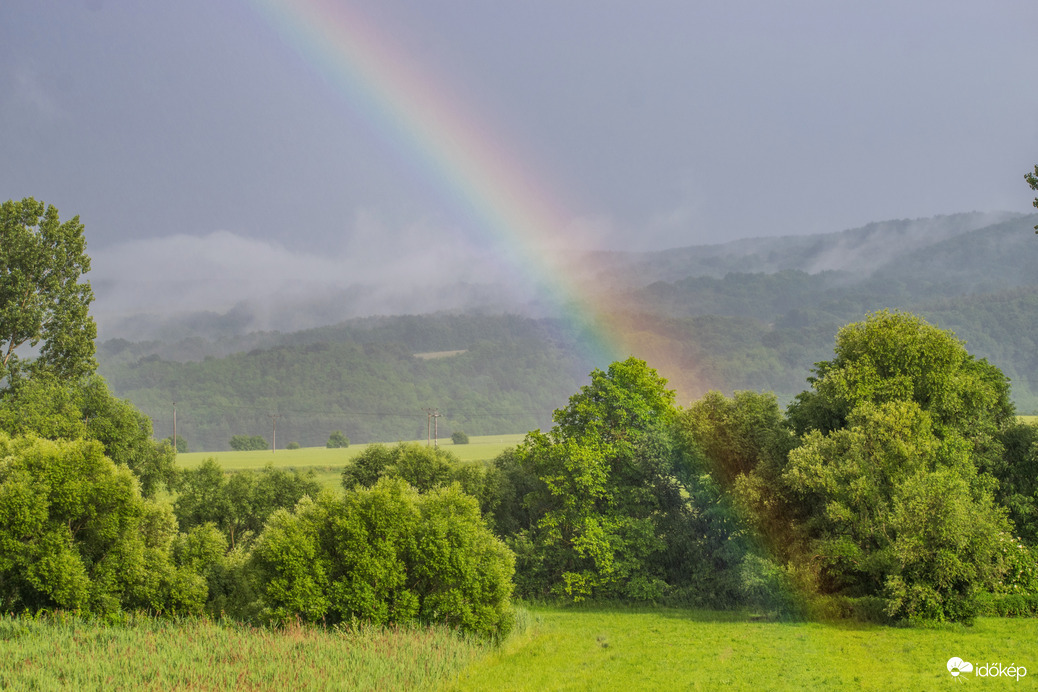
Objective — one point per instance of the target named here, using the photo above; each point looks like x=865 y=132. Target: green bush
x=1007 y=605
x=86 y=409
x=238 y=504
x=76 y=534
x=337 y=440
x=459 y=438
x=385 y=554
x=423 y=467
x=180 y=446
x=1021 y=567
x=248 y=443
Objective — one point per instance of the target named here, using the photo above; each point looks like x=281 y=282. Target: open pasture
x=327 y=464
x=592 y=648
x=630 y=649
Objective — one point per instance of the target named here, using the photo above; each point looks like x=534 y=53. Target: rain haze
x=221 y=152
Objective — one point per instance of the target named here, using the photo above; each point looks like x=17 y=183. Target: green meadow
x=592 y=648
x=628 y=649
x=327 y=464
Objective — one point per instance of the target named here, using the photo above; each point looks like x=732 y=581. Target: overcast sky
x=657 y=123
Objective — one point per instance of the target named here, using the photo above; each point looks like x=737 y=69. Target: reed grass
x=64 y=651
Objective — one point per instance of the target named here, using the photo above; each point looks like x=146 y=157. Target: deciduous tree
x=76 y=534
x=615 y=499
x=901 y=432
x=43 y=302
x=54 y=408
x=337 y=440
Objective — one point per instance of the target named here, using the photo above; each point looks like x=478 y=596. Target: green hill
x=760 y=328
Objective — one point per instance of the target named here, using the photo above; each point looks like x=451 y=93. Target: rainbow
x=471 y=167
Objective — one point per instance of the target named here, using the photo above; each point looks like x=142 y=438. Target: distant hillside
x=362 y=378
x=860 y=251
x=980 y=283
x=752 y=329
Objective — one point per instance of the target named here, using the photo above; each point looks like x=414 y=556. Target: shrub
x=76 y=534
x=337 y=440
x=423 y=467
x=459 y=438
x=248 y=443
x=238 y=504
x=180 y=446
x=386 y=554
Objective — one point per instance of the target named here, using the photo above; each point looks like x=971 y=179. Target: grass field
x=1028 y=419
x=61 y=652
x=659 y=649
x=628 y=649
x=327 y=464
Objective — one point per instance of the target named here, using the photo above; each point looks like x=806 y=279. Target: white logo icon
x=956 y=665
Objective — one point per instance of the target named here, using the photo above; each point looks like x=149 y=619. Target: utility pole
x=174 y=427
x=432 y=427
x=274 y=433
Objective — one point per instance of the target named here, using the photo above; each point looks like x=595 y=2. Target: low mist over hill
x=222 y=285
x=743 y=315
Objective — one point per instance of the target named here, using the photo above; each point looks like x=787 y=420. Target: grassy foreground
x=628 y=649
x=63 y=652
x=662 y=649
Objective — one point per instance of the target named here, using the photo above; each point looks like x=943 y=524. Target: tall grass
x=63 y=651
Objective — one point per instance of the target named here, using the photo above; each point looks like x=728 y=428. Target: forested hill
x=372 y=379
x=756 y=330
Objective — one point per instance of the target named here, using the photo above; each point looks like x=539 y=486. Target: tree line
x=898 y=487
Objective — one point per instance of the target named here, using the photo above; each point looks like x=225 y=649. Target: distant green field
x=1033 y=420
x=328 y=463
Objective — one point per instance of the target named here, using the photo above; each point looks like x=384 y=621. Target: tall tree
x=617 y=497
x=42 y=300
x=899 y=435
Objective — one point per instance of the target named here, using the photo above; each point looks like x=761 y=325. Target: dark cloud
x=657 y=123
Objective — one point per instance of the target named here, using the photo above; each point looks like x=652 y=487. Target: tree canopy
x=617 y=505
x=43 y=303
x=51 y=408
